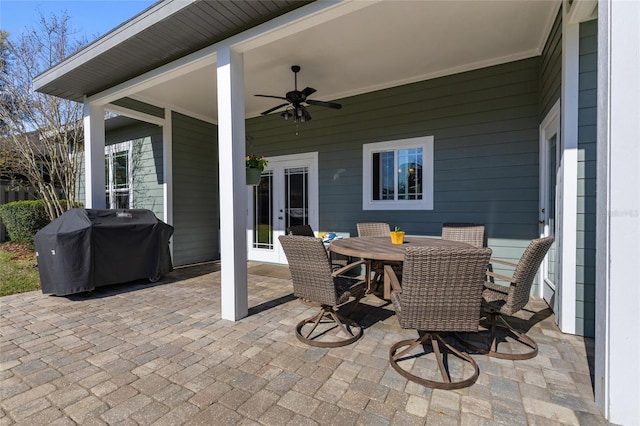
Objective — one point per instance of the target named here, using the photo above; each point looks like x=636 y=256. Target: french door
x=286 y=195
x=549 y=184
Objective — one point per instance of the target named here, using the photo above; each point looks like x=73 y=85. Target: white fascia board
x=131 y=113
x=182 y=111
x=295 y=21
x=580 y=10
x=314 y=14
x=125 y=31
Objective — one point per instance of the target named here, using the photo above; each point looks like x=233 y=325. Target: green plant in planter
x=397 y=235
x=256 y=162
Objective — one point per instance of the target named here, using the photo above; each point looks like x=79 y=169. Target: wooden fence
x=9 y=194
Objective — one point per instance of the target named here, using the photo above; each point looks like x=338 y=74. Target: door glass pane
x=262 y=217
x=383 y=175
x=551 y=202
x=107 y=181
x=296 y=196
x=410 y=174
x=106 y=173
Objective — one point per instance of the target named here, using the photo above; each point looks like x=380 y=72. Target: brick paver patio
x=143 y=354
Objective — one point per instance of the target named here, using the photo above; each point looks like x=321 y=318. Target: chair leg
x=315 y=320
x=358 y=296
x=329 y=314
x=491 y=324
x=441 y=349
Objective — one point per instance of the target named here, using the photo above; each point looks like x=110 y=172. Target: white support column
x=568 y=178
x=167 y=166
x=233 y=189
x=617 y=370
x=167 y=169
x=94 y=156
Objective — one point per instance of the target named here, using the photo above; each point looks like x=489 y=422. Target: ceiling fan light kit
x=294 y=107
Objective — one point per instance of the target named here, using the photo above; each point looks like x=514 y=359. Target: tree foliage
x=41 y=136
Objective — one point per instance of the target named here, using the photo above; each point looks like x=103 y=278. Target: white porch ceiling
x=384 y=44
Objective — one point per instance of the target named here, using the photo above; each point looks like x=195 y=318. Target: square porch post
x=233 y=190
x=617 y=370
x=94 y=139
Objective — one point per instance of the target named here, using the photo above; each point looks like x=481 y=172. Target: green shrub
x=23 y=219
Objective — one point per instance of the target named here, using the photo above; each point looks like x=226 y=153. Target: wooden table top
x=380 y=248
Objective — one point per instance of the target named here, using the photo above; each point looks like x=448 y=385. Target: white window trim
x=424 y=142
x=109 y=150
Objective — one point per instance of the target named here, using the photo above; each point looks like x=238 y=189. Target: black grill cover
x=88 y=248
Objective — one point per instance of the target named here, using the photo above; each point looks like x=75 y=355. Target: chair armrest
x=503 y=262
x=500 y=277
x=395 y=284
x=348 y=267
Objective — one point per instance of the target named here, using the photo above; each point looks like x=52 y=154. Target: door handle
x=280 y=217
x=541 y=222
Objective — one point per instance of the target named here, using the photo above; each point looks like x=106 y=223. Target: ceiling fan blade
x=273 y=109
x=271 y=96
x=308 y=91
x=324 y=104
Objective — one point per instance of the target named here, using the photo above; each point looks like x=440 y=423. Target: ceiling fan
x=296 y=99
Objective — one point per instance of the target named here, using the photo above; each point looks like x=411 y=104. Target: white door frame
x=549 y=127
x=276 y=254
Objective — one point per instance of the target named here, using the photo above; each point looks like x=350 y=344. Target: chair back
x=470 y=233
x=442 y=288
x=373 y=229
x=525 y=273
x=310 y=269
x=304 y=230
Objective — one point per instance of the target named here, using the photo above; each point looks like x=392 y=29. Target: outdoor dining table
x=381 y=249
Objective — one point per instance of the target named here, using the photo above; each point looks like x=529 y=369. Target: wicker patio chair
x=304 y=230
x=470 y=233
x=500 y=301
x=441 y=292
x=375 y=229
x=313 y=281
x=307 y=231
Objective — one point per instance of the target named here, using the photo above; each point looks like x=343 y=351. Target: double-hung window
x=117 y=169
x=398 y=175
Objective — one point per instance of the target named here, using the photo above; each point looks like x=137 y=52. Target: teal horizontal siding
x=147 y=164
x=551 y=68
x=195 y=190
x=485 y=128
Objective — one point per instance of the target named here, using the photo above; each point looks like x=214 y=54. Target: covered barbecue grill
x=88 y=248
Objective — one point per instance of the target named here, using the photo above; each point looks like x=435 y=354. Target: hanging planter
x=255 y=164
x=253 y=176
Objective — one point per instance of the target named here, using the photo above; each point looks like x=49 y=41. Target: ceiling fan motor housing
x=296 y=98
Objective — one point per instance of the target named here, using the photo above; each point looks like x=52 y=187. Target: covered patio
x=525 y=112
x=160 y=354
